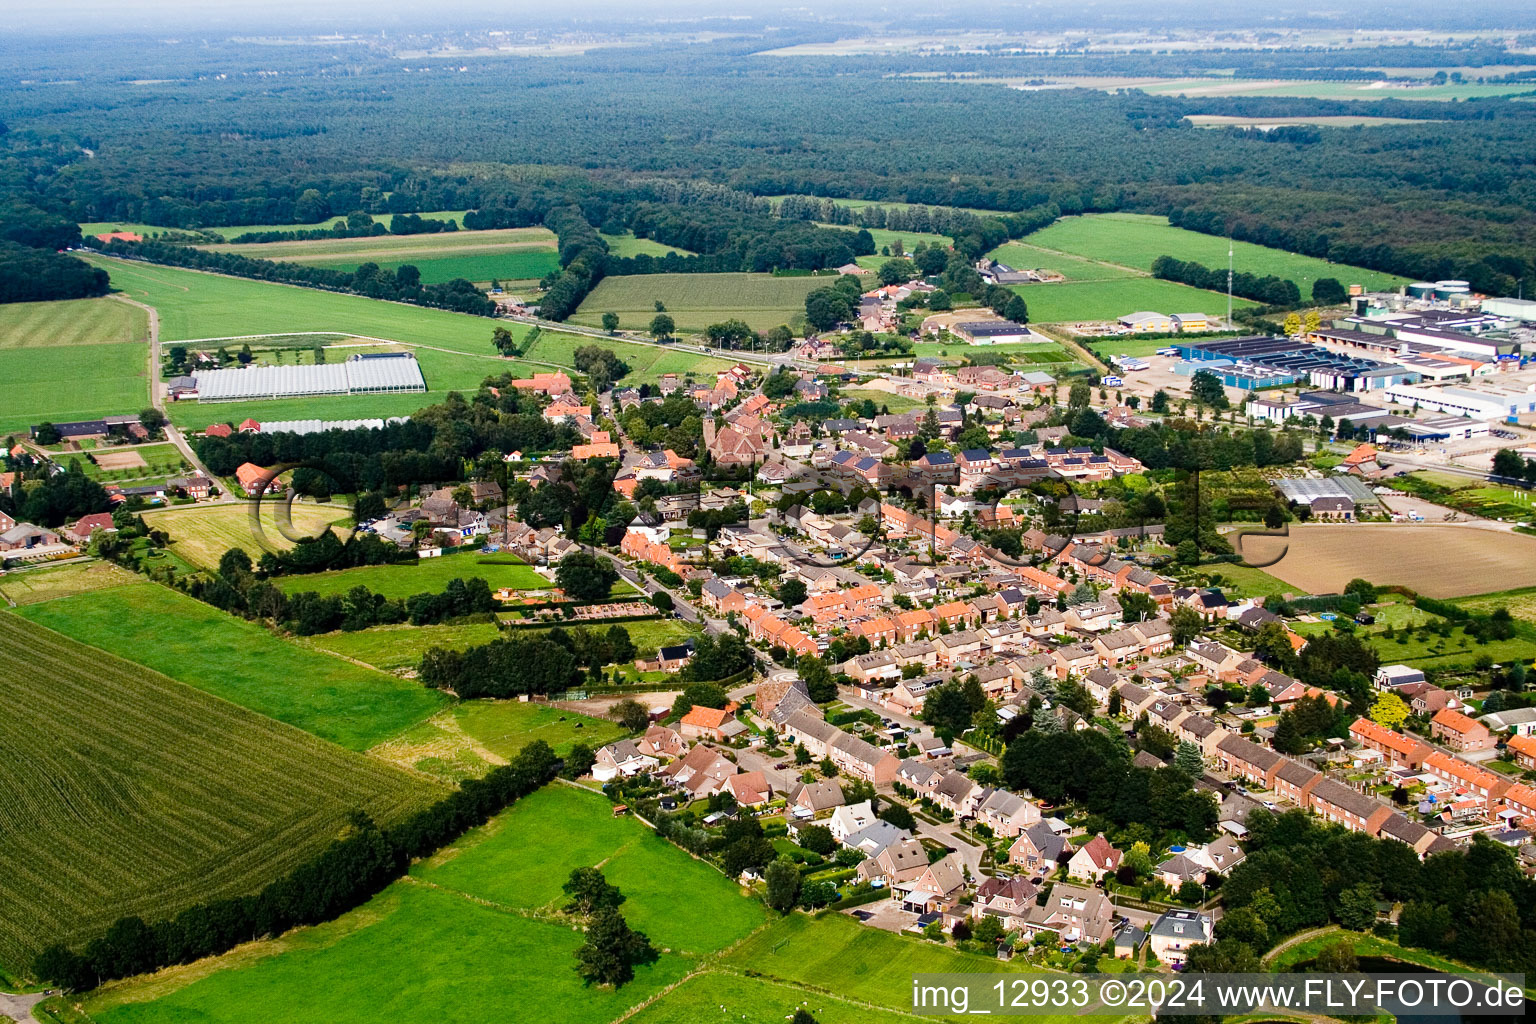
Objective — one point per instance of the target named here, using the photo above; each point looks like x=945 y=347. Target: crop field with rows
x=126 y=792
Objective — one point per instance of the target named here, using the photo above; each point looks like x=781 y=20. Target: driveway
x=19 y=1007
x=886 y=915
x=969 y=854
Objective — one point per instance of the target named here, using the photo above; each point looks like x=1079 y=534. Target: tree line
x=346 y=874
x=357 y=224
x=1474 y=904
x=236 y=588
x=402 y=285
x=44 y=498
x=1269 y=289
x=37 y=275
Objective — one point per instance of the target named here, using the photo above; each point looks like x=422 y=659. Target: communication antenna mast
x=1229 y=282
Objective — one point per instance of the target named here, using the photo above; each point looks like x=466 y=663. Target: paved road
x=157 y=396
x=19 y=1007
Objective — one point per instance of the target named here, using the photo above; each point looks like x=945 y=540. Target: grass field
x=1521 y=602
x=71 y=322
x=646 y=362
x=464 y=741
x=1075 y=301
x=413 y=955
x=126 y=792
x=422 y=576
x=1440 y=561
x=387 y=219
x=197 y=305
x=521 y=860
x=1307 y=89
x=514 y=253
x=695 y=301
x=398 y=648
x=898 y=404
x=1431 y=651
x=160 y=461
x=194 y=305
x=240 y=662
x=755 y=1001
x=393 y=648
x=836 y=952
x=885 y=239
x=196 y=416
x=1024 y=256
x=91 y=381
x=468 y=937
x=29 y=586
x=201 y=534
x=1135 y=240
x=504 y=727
x=628 y=245
x=322 y=250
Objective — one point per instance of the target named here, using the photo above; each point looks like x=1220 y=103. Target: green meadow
x=240 y=662
x=505 y=726
x=695 y=301
x=421 y=576
x=101 y=321
x=1135 y=240
x=387 y=219
x=628 y=245
x=646 y=362
x=514 y=253
x=1105 y=300
x=470 y=936
x=77 y=382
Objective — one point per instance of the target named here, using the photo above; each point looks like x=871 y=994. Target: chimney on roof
x=709 y=432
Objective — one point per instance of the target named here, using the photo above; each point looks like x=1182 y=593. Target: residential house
x=1461 y=733
x=83 y=527
x=815 y=797
x=1336 y=803
x=1007 y=814
x=1093 y=860
x=1177 y=930
x=700 y=774
x=622 y=757
x=1402 y=751
x=1075 y=914
x=1008 y=899
x=1039 y=849
x=850 y=818
x=1240 y=757
x=749 y=789
x=938 y=887
x=1294 y=781
x=661 y=742
x=718 y=724
x=896 y=860
x=1118 y=647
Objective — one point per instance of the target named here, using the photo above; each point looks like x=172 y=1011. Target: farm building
x=1326 y=496
x=1146 y=323
x=81 y=430
x=991 y=332
x=321 y=426
x=367 y=374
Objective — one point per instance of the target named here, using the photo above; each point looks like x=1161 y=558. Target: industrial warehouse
x=1262 y=361
x=373 y=373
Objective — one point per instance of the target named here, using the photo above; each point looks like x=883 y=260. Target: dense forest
x=32 y=275
x=212 y=143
